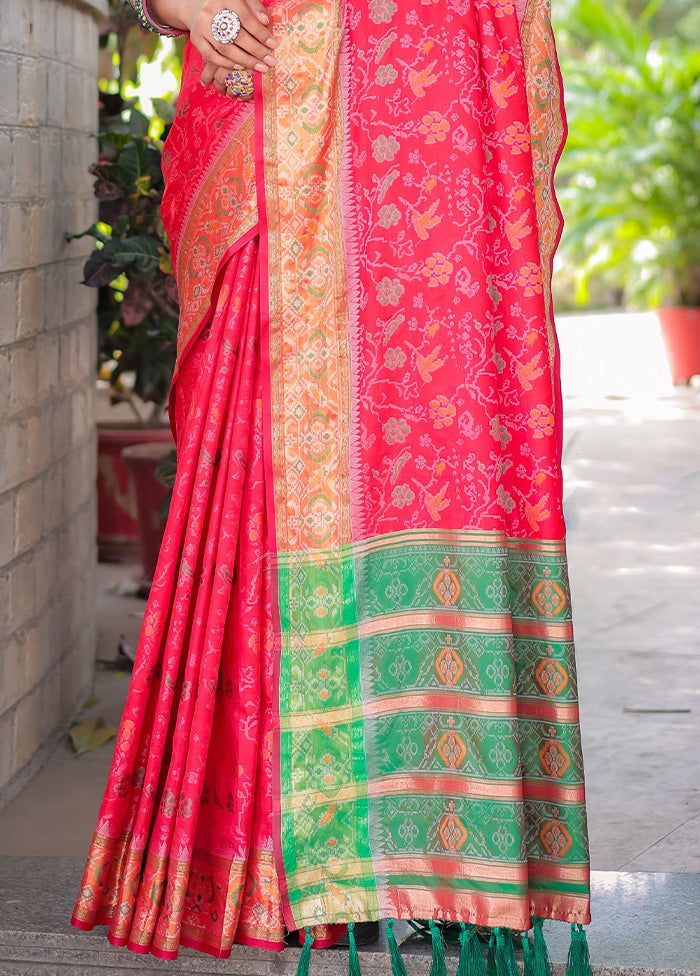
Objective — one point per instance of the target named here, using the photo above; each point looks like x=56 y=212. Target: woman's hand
x=251 y=50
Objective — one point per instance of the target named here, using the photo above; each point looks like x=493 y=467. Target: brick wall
x=48 y=117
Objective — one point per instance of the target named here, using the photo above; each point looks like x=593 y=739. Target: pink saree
x=355 y=691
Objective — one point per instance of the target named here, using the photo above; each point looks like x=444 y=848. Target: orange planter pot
x=142 y=460
x=118 y=531
x=680 y=327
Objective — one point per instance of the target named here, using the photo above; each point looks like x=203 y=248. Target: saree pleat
x=182 y=852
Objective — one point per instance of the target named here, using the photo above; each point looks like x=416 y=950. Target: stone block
x=26 y=728
x=14 y=30
x=12 y=434
x=50 y=234
x=5 y=163
x=52 y=504
x=66 y=17
x=60 y=620
x=51 y=712
x=9 y=86
x=5 y=378
x=28 y=527
x=49 y=156
x=82 y=419
x=71 y=159
x=22 y=384
x=47 y=360
x=35 y=660
x=56 y=99
x=53 y=295
x=85 y=42
x=32 y=91
x=27 y=443
x=8 y=308
x=75 y=100
x=87 y=349
x=13 y=673
x=21 y=584
x=68 y=355
x=8 y=502
x=19 y=234
x=42 y=31
x=6 y=748
x=26 y=163
x=46 y=568
x=61 y=434
x=30 y=306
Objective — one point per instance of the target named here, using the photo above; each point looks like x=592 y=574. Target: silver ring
x=226 y=26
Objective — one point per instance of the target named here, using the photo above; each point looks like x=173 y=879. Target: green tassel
x=464 y=959
x=578 y=962
x=476 y=955
x=541 y=965
x=438 y=966
x=510 y=954
x=354 y=962
x=527 y=956
x=505 y=954
x=397 y=966
x=491 y=956
x=305 y=957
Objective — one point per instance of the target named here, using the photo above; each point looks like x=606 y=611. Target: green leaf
x=90 y=735
x=138 y=124
x=164 y=109
x=99 y=269
x=142 y=253
x=136 y=161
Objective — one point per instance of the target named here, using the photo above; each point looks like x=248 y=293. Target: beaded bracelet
x=140 y=8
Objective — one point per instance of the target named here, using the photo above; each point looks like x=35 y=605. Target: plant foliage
x=130 y=264
x=629 y=181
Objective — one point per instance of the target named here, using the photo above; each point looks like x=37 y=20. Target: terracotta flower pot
x=142 y=460
x=680 y=327
x=118 y=530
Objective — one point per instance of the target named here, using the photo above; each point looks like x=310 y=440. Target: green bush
x=629 y=180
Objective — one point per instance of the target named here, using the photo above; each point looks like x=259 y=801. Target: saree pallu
x=355 y=691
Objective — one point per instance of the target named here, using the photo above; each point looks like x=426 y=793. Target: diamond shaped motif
x=452 y=750
x=449 y=666
x=555 y=838
x=554 y=758
x=453 y=833
x=552 y=677
x=549 y=598
x=446 y=586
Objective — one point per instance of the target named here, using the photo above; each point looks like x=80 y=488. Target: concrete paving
x=632 y=476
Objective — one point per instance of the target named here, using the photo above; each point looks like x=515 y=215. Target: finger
x=251 y=22
x=246 y=42
x=239 y=59
x=259 y=10
x=220 y=81
x=208 y=72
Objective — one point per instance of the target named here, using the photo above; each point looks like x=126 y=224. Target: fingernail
x=272 y=42
x=263 y=17
x=269 y=59
x=261 y=67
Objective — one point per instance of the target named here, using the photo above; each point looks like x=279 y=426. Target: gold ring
x=239 y=84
